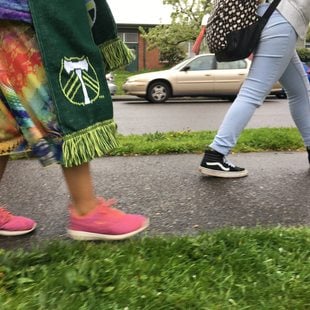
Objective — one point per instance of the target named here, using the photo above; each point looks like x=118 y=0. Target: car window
x=239 y=64
x=202 y=63
x=180 y=65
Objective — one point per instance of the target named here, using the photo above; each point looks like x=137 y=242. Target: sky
x=140 y=11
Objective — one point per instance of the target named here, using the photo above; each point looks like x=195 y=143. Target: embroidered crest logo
x=92 y=11
x=79 y=81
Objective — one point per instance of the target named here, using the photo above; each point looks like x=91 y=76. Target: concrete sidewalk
x=170 y=190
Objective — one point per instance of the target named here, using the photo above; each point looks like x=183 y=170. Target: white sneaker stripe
x=218 y=164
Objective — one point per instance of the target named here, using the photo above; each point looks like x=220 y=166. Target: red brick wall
x=148 y=59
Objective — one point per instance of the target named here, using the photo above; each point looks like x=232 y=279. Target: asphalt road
x=170 y=190
x=138 y=116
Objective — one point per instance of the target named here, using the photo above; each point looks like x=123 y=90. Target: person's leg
x=297 y=87
x=79 y=183
x=12 y=225
x=272 y=57
x=274 y=53
x=92 y=218
x=3 y=162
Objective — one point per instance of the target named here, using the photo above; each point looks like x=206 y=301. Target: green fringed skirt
x=28 y=121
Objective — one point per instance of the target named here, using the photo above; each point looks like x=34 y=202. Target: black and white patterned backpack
x=233 y=29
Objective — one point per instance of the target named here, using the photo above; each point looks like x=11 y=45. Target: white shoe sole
x=223 y=174
x=83 y=235
x=16 y=233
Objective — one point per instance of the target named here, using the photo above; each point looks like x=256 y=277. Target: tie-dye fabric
x=19 y=10
x=27 y=118
x=15 y=10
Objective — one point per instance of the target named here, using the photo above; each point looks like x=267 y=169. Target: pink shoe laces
x=105 y=207
x=5 y=216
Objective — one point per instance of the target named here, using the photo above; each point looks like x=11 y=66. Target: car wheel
x=158 y=92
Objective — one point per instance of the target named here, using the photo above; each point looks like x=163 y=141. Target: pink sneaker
x=105 y=223
x=11 y=225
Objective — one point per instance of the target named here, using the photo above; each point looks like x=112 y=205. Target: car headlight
x=134 y=80
x=109 y=77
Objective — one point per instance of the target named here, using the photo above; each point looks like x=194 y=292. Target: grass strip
x=251 y=140
x=187 y=142
x=232 y=268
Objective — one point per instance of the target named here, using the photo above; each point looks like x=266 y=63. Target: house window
x=128 y=37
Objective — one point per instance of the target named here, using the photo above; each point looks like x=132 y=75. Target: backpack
x=233 y=29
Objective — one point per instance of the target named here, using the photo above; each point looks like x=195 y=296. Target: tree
x=185 y=26
x=304 y=54
x=308 y=35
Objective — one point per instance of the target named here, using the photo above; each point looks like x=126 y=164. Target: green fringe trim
x=116 y=54
x=89 y=143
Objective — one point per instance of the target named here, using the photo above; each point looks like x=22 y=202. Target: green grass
x=119 y=79
x=186 y=142
x=226 y=269
x=251 y=140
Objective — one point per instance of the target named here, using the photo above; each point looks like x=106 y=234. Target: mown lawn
x=251 y=140
x=224 y=269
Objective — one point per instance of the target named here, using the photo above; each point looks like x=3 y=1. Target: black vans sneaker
x=215 y=164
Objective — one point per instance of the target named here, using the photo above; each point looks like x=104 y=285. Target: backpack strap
x=270 y=10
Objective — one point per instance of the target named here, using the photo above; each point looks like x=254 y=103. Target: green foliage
x=185 y=26
x=188 y=11
x=120 y=78
x=251 y=140
x=225 y=269
x=182 y=142
x=308 y=35
x=304 y=54
x=269 y=139
x=172 y=57
x=168 y=39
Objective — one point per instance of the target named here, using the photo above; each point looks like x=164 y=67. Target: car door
x=229 y=76
x=196 y=77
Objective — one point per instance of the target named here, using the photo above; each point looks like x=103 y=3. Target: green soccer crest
x=79 y=81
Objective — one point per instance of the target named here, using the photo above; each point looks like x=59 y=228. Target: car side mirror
x=186 y=68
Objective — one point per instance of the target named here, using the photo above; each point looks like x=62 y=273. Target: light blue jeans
x=274 y=60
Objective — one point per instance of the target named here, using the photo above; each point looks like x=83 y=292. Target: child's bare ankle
x=84 y=207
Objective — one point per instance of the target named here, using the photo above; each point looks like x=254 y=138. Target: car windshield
x=181 y=64
x=203 y=62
